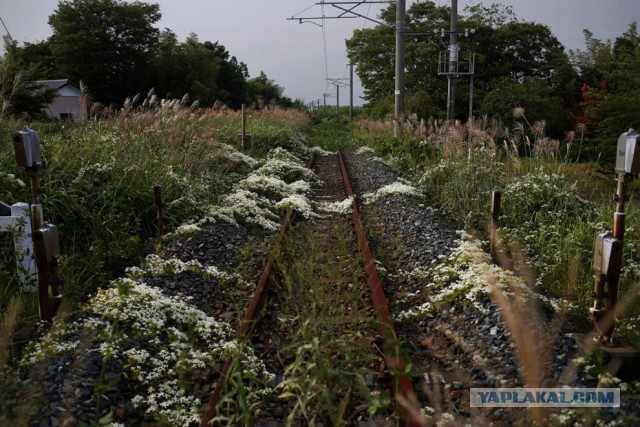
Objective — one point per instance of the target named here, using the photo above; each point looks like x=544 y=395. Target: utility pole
x=346 y=9
x=400 y=64
x=338 y=82
x=350 y=91
x=453 y=62
x=7 y=30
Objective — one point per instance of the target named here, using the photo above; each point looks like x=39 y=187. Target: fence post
x=157 y=196
x=496 y=198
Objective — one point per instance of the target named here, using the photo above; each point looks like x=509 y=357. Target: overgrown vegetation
x=552 y=207
x=98 y=181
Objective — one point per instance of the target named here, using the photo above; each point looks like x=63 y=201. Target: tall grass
x=553 y=207
x=98 y=180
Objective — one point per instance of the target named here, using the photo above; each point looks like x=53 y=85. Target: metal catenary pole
x=350 y=91
x=400 y=65
x=453 y=61
x=347 y=10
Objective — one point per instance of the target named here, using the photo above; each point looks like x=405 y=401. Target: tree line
x=517 y=64
x=113 y=47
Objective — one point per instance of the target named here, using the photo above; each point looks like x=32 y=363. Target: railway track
x=320 y=320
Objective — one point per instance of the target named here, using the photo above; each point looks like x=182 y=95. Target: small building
x=66 y=105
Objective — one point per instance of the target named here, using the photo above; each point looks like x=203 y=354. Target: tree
x=504 y=47
x=618 y=107
x=205 y=71
x=263 y=90
x=105 y=43
x=19 y=93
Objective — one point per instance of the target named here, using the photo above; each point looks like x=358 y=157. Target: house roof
x=57 y=84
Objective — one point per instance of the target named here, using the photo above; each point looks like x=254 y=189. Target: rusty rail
x=407 y=403
x=251 y=318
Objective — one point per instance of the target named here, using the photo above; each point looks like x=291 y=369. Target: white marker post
x=19 y=224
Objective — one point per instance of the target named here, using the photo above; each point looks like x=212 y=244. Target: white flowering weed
x=390 y=189
x=232 y=154
x=341 y=207
x=464 y=276
x=281 y=182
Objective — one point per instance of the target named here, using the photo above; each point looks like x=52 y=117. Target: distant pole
x=350 y=91
x=338 y=99
x=244 y=123
x=325 y=99
x=471 y=93
x=453 y=62
x=400 y=64
x=7 y=30
x=318 y=103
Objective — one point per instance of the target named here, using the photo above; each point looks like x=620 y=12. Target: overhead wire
x=364 y=24
x=303 y=11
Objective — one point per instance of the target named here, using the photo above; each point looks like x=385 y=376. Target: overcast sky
x=258 y=33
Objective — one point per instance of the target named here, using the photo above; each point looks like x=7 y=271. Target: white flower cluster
x=342 y=207
x=365 y=149
x=282 y=182
x=394 y=188
x=319 y=151
x=157 y=266
x=185 y=230
x=87 y=173
x=466 y=275
x=179 y=338
x=231 y=153
x=12 y=179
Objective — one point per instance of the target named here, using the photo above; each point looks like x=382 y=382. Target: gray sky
x=257 y=32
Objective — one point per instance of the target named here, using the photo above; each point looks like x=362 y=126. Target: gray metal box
x=27 y=148
x=628 y=153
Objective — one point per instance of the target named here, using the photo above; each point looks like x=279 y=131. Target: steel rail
x=407 y=404
x=251 y=318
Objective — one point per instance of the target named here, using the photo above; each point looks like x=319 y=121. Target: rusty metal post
x=603 y=312
x=496 y=198
x=45 y=236
x=157 y=196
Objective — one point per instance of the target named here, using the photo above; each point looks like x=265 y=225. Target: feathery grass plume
x=86 y=100
x=538 y=128
x=185 y=100
x=518 y=112
x=546 y=147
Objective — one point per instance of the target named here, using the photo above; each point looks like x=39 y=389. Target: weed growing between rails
x=329 y=365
